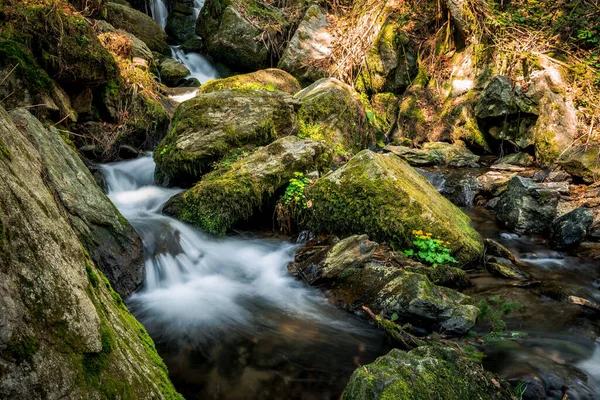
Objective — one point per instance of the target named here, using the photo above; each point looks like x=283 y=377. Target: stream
x=227 y=318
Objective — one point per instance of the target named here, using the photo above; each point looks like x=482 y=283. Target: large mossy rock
x=172 y=72
x=233 y=193
x=181 y=24
x=312 y=43
x=113 y=244
x=64 y=333
x=352 y=272
x=138 y=24
x=582 y=162
x=430 y=372
x=333 y=111
x=267 y=79
x=390 y=64
x=213 y=125
x=527 y=207
x=384 y=197
x=232 y=39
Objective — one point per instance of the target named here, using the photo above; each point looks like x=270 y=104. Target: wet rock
x=333 y=111
x=232 y=39
x=582 y=163
x=59 y=315
x=351 y=252
x=138 y=24
x=513 y=162
x=504 y=269
x=443 y=275
x=391 y=63
x=310 y=44
x=234 y=193
x=527 y=207
x=493 y=248
x=570 y=229
x=424 y=373
x=112 y=243
x=172 y=72
x=218 y=124
x=436 y=153
x=382 y=196
x=266 y=79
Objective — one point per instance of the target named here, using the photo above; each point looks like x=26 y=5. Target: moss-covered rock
x=334 y=112
x=232 y=39
x=265 y=79
x=426 y=373
x=138 y=24
x=582 y=162
x=180 y=26
x=218 y=124
x=436 y=153
x=390 y=64
x=134 y=48
x=381 y=195
x=113 y=244
x=172 y=72
x=64 y=333
x=310 y=44
x=233 y=193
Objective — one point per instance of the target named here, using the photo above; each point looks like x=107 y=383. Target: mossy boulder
x=266 y=79
x=310 y=44
x=64 y=332
x=232 y=194
x=112 y=243
x=436 y=153
x=218 y=124
x=582 y=162
x=428 y=372
x=135 y=47
x=384 y=197
x=180 y=26
x=333 y=111
x=232 y=39
x=138 y=24
x=172 y=72
x=390 y=64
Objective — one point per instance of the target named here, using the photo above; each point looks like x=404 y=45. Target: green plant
x=520 y=390
x=431 y=250
x=493 y=309
x=294 y=193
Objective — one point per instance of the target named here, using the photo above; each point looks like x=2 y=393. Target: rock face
x=267 y=79
x=172 y=72
x=213 y=125
x=570 y=229
x=113 y=244
x=232 y=194
x=310 y=44
x=527 y=207
x=333 y=111
x=232 y=39
x=138 y=24
x=382 y=196
x=424 y=373
x=436 y=153
x=64 y=333
x=390 y=64
x=352 y=275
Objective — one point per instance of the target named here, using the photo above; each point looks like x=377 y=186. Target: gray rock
x=172 y=72
x=527 y=207
x=497 y=99
x=218 y=124
x=112 y=243
x=570 y=229
x=582 y=162
x=494 y=182
x=513 y=162
x=310 y=44
x=436 y=153
x=352 y=252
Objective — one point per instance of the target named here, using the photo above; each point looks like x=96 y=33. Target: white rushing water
x=159 y=11
x=196 y=285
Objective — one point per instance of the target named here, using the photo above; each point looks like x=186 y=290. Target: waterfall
x=159 y=11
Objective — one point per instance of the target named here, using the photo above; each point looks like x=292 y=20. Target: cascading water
x=159 y=11
x=206 y=296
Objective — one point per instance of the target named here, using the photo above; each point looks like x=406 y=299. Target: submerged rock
x=232 y=194
x=333 y=111
x=426 y=373
x=436 y=153
x=266 y=79
x=138 y=24
x=570 y=229
x=311 y=44
x=384 y=197
x=527 y=207
x=112 y=243
x=218 y=124
x=64 y=333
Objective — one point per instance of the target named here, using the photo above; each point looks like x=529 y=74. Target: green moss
x=22 y=350
x=5 y=151
x=92 y=277
x=14 y=52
